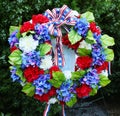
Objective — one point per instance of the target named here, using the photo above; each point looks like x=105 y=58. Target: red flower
x=83 y=91
x=94 y=28
x=32 y=73
x=52 y=69
x=39 y=19
x=104 y=66
x=13 y=48
x=84 y=62
x=27 y=26
x=43 y=98
x=52 y=92
x=46 y=97
x=66 y=41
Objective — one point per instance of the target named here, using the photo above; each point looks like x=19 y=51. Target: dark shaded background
x=13 y=12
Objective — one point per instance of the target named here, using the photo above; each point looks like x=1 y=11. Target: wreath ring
x=40 y=68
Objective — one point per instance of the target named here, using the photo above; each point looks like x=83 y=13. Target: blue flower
x=31 y=58
x=42 y=85
x=65 y=91
x=97 y=37
x=13 y=40
x=91 y=78
x=14 y=77
x=98 y=54
x=82 y=26
x=42 y=33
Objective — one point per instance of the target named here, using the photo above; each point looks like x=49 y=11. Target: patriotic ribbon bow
x=59 y=17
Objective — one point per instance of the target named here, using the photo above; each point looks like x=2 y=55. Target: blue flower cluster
x=42 y=33
x=82 y=26
x=31 y=58
x=97 y=37
x=91 y=78
x=13 y=40
x=64 y=93
x=42 y=85
x=14 y=77
x=98 y=54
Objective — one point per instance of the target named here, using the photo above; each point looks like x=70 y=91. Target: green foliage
x=14 y=12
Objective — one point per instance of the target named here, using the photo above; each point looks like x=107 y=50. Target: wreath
x=37 y=56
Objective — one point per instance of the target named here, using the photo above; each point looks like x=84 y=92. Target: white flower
x=52 y=101
x=46 y=62
x=75 y=13
x=105 y=73
x=85 y=45
x=67 y=74
x=27 y=44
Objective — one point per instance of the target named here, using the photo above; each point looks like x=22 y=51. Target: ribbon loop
x=59 y=17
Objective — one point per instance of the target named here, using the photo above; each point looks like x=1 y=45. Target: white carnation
x=27 y=44
x=52 y=101
x=75 y=13
x=85 y=45
x=105 y=73
x=67 y=74
x=46 y=62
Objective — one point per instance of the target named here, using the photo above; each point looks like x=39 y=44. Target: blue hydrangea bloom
x=13 y=40
x=31 y=58
x=91 y=78
x=98 y=54
x=42 y=85
x=42 y=33
x=64 y=93
x=82 y=26
x=97 y=37
x=13 y=74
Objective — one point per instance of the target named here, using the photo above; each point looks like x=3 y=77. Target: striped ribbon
x=59 y=17
x=63 y=110
x=46 y=110
x=109 y=68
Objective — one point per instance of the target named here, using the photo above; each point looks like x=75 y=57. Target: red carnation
x=84 y=62
x=52 y=92
x=43 y=98
x=13 y=48
x=94 y=28
x=52 y=69
x=104 y=66
x=32 y=73
x=27 y=26
x=66 y=41
x=39 y=19
x=83 y=91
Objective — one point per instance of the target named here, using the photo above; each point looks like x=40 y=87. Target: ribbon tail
x=63 y=110
x=109 y=68
x=46 y=110
x=59 y=58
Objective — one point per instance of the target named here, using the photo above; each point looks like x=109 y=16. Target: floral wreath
x=38 y=66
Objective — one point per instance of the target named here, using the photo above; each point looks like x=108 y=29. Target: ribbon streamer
x=46 y=110
x=109 y=68
x=63 y=110
x=59 y=17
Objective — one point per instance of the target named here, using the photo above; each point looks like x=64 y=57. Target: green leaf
x=15 y=57
x=89 y=16
x=89 y=38
x=55 y=83
x=29 y=89
x=109 y=54
x=107 y=41
x=72 y=101
x=13 y=28
x=19 y=72
x=44 y=49
x=74 y=37
x=84 y=52
x=94 y=91
x=77 y=75
x=58 y=76
x=104 y=80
